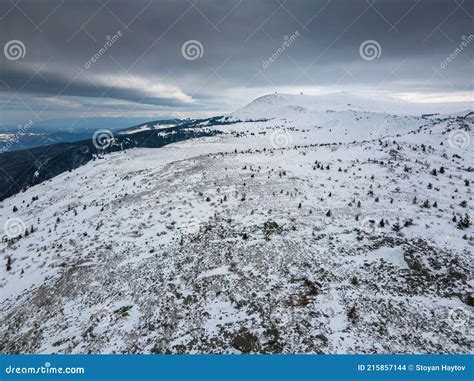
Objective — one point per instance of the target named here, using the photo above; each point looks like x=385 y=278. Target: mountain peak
x=285 y=105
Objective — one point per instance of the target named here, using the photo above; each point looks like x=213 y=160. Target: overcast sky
x=316 y=47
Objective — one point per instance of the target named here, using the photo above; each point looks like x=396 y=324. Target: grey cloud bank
x=73 y=49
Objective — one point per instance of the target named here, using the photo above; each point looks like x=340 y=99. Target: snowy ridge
x=289 y=105
x=341 y=234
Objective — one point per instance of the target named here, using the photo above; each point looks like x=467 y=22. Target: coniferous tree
x=464 y=222
x=396 y=227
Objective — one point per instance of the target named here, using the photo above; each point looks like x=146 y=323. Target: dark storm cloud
x=47 y=83
x=237 y=37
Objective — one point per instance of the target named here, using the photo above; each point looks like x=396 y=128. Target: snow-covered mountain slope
x=284 y=105
x=268 y=238
x=330 y=118
x=291 y=106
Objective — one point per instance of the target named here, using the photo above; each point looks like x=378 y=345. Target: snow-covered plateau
x=329 y=224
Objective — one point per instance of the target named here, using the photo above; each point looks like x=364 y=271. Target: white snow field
x=264 y=239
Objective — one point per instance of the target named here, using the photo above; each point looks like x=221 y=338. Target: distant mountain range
x=37 y=134
x=24 y=168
